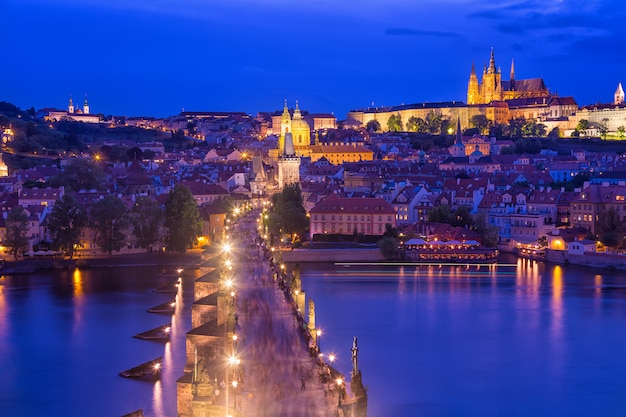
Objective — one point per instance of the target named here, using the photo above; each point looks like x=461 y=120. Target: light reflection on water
x=65 y=336
x=521 y=339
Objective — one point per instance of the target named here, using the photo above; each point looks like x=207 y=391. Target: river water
x=528 y=339
x=517 y=339
x=65 y=336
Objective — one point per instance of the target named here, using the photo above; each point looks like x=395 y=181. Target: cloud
x=418 y=32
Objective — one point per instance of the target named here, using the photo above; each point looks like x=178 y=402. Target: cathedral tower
x=492 y=86
x=473 y=94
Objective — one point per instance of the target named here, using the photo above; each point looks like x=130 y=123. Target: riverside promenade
x=281 y=378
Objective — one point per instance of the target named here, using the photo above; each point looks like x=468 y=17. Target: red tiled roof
x=334 y=204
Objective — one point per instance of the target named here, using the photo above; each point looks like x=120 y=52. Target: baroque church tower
x=86 y=106
x=70 y=106
x=285 y=127
x=618 y=98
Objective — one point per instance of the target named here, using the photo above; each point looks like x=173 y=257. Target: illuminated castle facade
x=493 y=88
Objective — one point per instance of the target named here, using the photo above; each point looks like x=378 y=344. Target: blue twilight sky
x=154 y=57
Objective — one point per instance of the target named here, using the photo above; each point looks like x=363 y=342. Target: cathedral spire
x=492 y=63
x=459 y=136
x=512 y=69
x=473 y=70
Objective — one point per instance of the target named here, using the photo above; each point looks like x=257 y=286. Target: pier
x=251 y=351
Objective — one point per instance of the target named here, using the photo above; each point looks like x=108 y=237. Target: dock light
x=173 y=303
x=228 y=263
x=235 y=337
x=228 y=283
x=180 y=270
x=235 y=383
x=237 y=210
x=157 y=366
x=232 y=293
x=331 y=357
x=233 y=360
x=226 y=247
x=339 y=381
x=167 y=329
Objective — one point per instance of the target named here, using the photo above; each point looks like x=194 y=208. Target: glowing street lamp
x=226 y=247
x=319 y=335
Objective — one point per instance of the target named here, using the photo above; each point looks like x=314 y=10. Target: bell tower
x=70 y=105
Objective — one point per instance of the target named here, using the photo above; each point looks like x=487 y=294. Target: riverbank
x=191 y=259
x=590 y=259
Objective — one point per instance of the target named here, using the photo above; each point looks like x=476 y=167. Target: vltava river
x=524 y=340
x=65 y=336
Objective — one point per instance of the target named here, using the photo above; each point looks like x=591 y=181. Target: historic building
x=346 y=215
x=288 y=164
x=493 y=88
x=72 y=113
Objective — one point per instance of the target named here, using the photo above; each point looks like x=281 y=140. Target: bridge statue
x=355 y=356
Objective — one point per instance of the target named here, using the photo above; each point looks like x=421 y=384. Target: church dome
x=301 y=132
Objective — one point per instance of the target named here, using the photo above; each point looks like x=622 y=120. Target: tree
x=390 y=231
x=182 y=220
x=394 y=124
x=109 y=219
x=531 y=128
x=514 y=128
x=373 y=126
x=462 y=217
x=79 y=174
x=439 y=214
x=489 y=234
x=146 y=217
x=433 y=122
x=610 y=228
x=134 y=154
x=416 y=124
x=603 y=127
x=66 y=222
x=388 y=247
x=481 y=123
x=620 y=132
x=582 y=127
x=16 y=238
x=288 y=214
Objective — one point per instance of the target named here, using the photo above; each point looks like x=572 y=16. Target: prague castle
x=493 y=88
